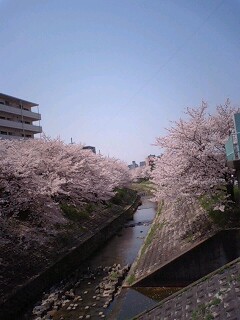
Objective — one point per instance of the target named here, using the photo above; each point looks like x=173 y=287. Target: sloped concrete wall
x=197 y=262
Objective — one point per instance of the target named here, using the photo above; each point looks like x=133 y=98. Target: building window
x=3 y=132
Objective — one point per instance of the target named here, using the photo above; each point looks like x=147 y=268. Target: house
x=93 y=149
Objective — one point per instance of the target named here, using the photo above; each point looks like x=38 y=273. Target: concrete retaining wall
x=201 y=260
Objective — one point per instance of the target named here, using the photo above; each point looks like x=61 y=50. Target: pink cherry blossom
x=193 y=162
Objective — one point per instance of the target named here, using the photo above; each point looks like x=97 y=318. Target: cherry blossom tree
x=193 y=163
x=140 y=173
x=45 y=170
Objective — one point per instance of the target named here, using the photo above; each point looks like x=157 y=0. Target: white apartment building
x=17 y=118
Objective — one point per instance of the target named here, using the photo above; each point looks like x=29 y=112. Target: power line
x=171 y=57
x=177 y=50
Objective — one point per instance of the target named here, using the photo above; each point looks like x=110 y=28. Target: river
x=120 y=250
x=123 y=249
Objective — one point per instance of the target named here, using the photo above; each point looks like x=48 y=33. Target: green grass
x=113 y=276
x=215 y=302
x=122 y=197
x=202 y=312
x=131 y=279
x=159 y=208
x=231 y=213
x=119 y=196
x=150 y=236
x=236 y=192
x=74 y=214
x=144 y=186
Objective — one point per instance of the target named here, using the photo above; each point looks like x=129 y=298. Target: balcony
x=21 y=126
x=8 y=137
x=29 y=114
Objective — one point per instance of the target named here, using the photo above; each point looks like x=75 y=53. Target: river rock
x=56 y=307
x=105 y=294
x=52 y=313
x=69 y=295
x=39 y=310
x=108 y=286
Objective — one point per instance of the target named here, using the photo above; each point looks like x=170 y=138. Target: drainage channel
x=89 y=292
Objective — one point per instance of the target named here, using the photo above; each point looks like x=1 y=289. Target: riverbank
x=30 y=270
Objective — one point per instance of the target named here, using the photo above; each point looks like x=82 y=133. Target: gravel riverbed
x=84 y=295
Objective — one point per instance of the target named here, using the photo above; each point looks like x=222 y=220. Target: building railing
x=21 y=112
x=20 y=125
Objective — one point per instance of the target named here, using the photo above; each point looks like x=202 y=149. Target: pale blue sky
x=113 y=73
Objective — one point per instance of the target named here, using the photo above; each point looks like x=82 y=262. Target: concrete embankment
x=215 y=296
x=175 y=231
x=25 y=295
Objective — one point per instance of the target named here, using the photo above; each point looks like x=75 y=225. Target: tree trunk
x=230 y=190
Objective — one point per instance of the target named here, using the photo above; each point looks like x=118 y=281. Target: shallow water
x=123 y=247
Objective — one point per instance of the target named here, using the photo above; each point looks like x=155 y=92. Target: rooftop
x=7 y=97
